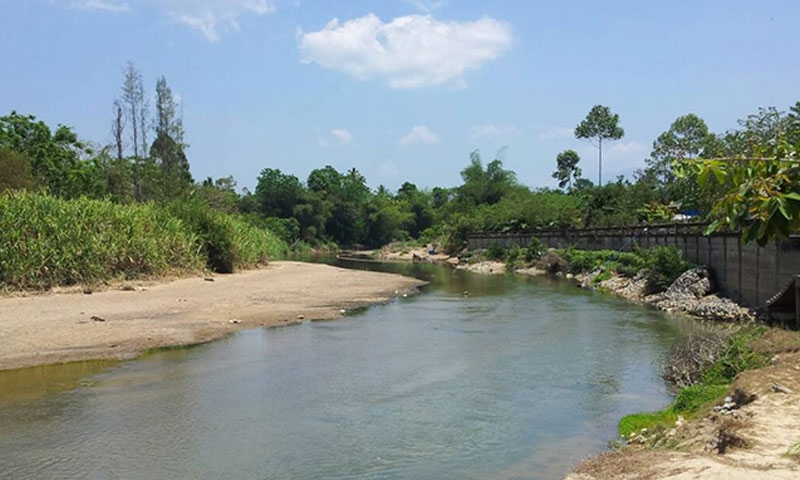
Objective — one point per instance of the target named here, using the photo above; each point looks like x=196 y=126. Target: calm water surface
x=518 y=380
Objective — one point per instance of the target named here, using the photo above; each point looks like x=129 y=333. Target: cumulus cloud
x=110 y=6
x=344 y=136
x=408 y=52
x=493 y=130
x=419 y=135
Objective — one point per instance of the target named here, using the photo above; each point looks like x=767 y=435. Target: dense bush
x=227 y=241
x=45 y=241
x=664 y=265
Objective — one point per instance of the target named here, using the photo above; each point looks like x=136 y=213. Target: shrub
x=495 y=252
x=227 y=241
x=664 y=265
x=535 y=249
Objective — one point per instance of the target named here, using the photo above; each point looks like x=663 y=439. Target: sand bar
x=120 y=324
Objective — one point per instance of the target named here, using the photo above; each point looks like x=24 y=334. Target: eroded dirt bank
x=766 y=436
x=120 y=324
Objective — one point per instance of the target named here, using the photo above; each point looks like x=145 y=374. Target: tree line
x=689 y=171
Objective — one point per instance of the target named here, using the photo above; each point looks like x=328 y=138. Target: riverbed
x=479 y=377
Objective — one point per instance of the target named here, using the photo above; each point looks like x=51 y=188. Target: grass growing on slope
x=736 y=357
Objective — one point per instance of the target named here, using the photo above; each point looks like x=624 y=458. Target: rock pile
x=692 y=293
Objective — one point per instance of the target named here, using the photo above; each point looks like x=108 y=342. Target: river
x=518 y=379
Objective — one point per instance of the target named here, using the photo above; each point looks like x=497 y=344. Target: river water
x=519 y=379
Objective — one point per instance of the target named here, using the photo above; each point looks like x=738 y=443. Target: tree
x=168 y=147
x=278 y=193
x=55 y=156
x=600 y=124
x=761 y=193
x=135 y=113
x=485 y=186
x=567 y=168
x=687 y=138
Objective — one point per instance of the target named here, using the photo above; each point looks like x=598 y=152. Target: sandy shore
x=120 y=324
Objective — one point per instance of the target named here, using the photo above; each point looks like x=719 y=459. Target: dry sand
x=120 y=324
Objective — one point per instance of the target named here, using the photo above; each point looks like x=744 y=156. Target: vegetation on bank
x=660 y=265
x=752 y=185
x=47 y=241
x=713 y=381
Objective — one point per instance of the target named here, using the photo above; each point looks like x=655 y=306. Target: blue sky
x=402 y=89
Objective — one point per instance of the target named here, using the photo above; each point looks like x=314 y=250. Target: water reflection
x=518 y=380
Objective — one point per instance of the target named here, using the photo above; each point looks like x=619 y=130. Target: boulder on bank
x=692 y=293
x=696 y=283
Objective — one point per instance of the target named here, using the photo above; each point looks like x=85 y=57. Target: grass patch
x=637 y=421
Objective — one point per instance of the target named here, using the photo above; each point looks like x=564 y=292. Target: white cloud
x=556 y=133
x=493 y=130
x=419 y=135
x=408 y=52
x=345 y=137
x=110 y=6
x=211 y=17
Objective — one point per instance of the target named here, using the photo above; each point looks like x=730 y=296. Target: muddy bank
x=120 y=324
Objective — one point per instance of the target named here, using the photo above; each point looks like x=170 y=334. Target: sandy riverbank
x=120 y=324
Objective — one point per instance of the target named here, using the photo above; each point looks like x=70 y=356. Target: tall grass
x=46 y=241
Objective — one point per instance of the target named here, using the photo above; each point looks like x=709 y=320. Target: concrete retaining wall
x=748 y=274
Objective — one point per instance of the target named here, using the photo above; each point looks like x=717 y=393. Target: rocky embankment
x=692 y=293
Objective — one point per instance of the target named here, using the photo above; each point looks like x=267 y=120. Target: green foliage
x=55 y=156
x=567 y=168
x=45 y=241
x=715 y=383
x=635 y=422
x=495 y=252
x=16 y=170
x=227 y=242
x=664 y=264
x=737 y=357
x=761 y=194
x=535 y=249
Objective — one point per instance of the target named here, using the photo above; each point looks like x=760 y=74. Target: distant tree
x=485 y=186
x=600 y=124
x=220 y=194
x=135 y=112
x=55 y=156
x=278 y=193
x=567 y=168
x=687 y=138
x=168 y=147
